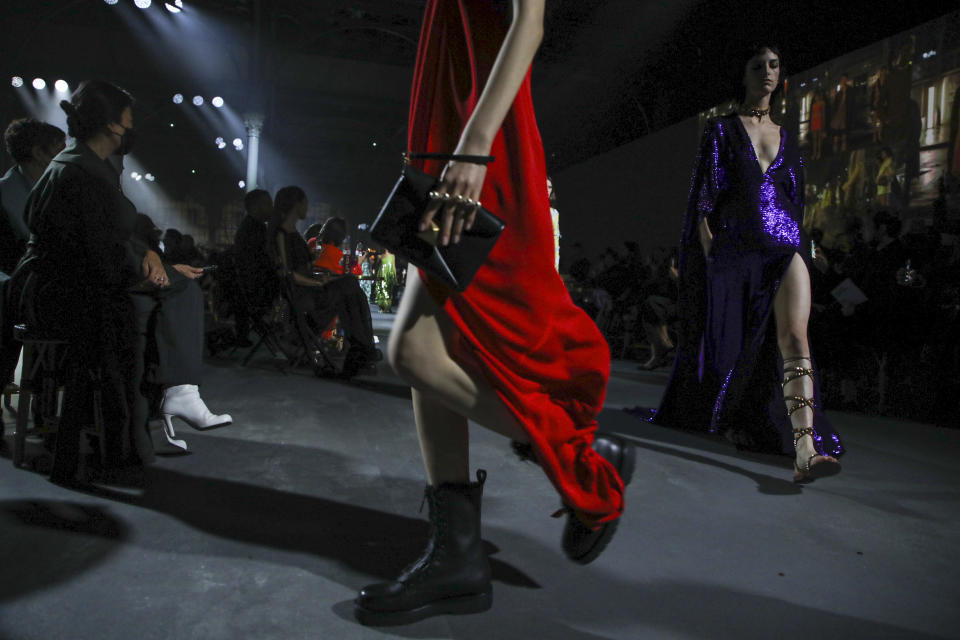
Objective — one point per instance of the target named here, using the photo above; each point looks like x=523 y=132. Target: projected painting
x=878 y=129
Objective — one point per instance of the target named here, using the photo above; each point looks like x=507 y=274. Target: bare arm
x=706 y=236
x=508 y=72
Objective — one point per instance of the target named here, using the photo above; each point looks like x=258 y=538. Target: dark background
x=333 y=78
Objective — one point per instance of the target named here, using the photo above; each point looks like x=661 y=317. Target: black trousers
x=170 y=324
x=343 y=298
x=169 y=336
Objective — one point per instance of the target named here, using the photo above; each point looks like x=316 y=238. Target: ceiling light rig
x=178 y=98
x=39 y=84
x=61 y=86
x=143 y=4
x=217 y=102
x=16 y=81
x=174 y=7
x=198 y=101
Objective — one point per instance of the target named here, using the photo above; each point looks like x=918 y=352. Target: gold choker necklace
x=755 y=113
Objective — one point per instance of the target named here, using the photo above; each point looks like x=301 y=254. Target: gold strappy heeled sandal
x=817 y=465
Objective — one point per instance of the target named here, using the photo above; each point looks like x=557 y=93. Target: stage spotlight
x=198 y=100
x=178 y=98
x=174 y=7
x=217 y=102
x=150 y=177
x=111 y=2
x=242 y=184
x=61 y=86
x=39 y=84
x=143 y=4
x=16 y=81
x=238 y=144
x=221 y=143
x=134 y=174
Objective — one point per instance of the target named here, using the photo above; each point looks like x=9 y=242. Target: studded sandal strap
x=794 y=373
x=800 y=403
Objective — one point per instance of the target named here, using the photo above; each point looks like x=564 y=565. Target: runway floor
x=269 y=527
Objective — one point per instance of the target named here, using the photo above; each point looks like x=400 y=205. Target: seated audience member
x=87 y=261
x=329 y=240
x=250 y=276
x=322 y=298
x=659 y=310
x=189 y=253
x=32 y=145
x=83 y=263
x=172 y=244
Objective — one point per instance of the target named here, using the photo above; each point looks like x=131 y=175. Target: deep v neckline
x=753 y=149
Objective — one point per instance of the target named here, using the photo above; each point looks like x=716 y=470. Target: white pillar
x=254 y=124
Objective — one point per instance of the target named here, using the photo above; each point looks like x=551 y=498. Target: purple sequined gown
x=726 y=377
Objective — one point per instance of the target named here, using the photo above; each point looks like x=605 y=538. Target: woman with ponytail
x=84 y=264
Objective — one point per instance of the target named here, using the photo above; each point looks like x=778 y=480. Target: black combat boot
x=452 y=575
x=581 y=543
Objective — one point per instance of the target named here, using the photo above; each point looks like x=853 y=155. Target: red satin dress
x=517 y=324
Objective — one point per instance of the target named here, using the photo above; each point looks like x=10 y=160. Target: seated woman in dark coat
x=100 y=287
x=84 y=264
x=323 y=298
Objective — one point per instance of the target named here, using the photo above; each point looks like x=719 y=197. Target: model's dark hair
x=94 y=105
x=748 y=53
x=23 y=134
x=334 y=231
x=253 y=197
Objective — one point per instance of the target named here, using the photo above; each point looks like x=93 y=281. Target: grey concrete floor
x=269 y=527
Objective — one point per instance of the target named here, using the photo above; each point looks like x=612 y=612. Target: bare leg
x=659 y=341
x=792 y=310
x=446 y=393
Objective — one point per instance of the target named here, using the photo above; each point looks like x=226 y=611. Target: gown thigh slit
x=728 y=369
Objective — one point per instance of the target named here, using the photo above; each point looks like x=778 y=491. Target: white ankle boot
x=184 y=402
x=171 y=434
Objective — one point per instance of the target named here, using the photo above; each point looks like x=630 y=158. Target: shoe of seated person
x=183 y=401
x=360 y=360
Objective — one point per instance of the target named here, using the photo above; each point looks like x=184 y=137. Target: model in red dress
x=512 y=352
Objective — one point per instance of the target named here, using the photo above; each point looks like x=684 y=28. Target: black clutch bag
x=397 y=228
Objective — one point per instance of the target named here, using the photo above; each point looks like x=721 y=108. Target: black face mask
x=126 y=141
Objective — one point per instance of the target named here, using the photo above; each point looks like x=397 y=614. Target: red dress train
x=544 y=356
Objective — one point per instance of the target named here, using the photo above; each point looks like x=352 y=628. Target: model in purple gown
x=727 y=373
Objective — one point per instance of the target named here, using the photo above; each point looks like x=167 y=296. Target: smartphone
x=813 y=250
x=209 y=268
